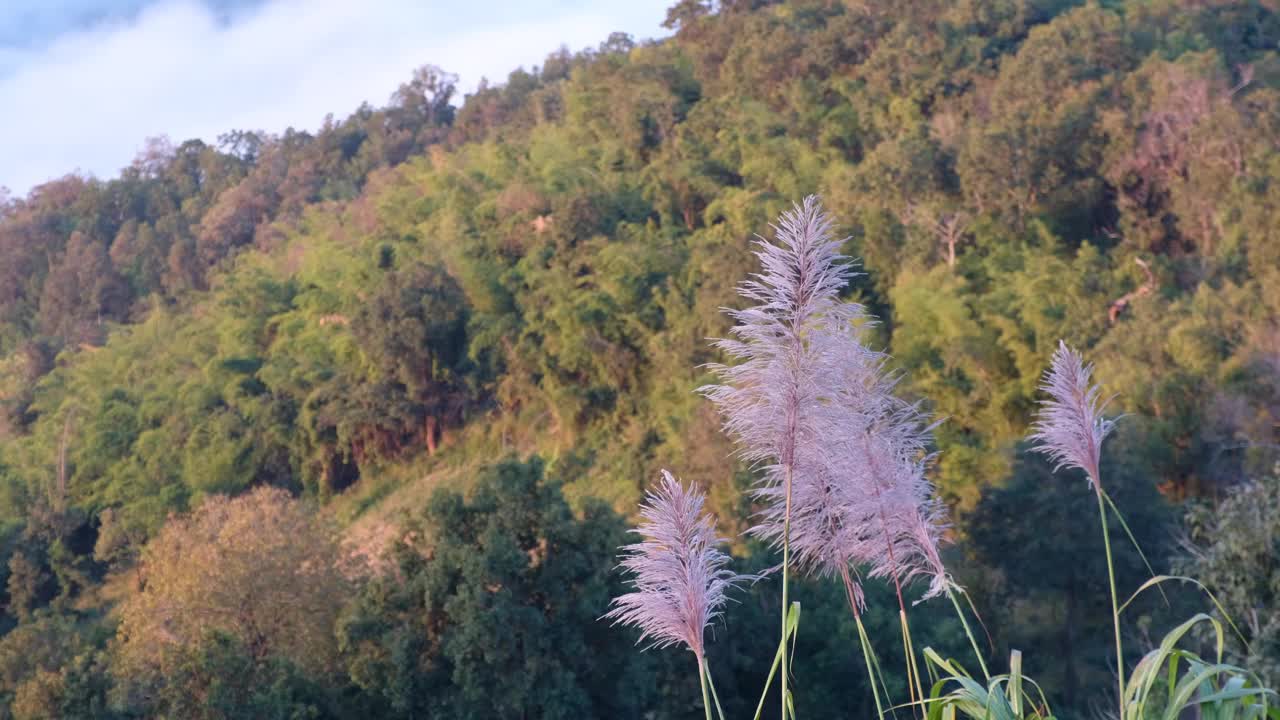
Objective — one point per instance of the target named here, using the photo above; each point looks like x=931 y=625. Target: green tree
x=33 y=654
x=492 y=609
x=413 y=330
x=218 y=677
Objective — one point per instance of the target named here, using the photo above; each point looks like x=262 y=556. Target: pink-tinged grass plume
x=680 y=575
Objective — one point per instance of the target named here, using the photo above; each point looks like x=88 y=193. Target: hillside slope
x=422 y=289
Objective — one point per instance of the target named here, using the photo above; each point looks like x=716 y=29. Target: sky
x=83 y=83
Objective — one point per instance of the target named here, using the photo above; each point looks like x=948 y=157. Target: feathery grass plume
x=890 y=498
x=1070 y=427
x=805 y=379
x=902 y=520
x=776 y=400
x=926 y=524
x=843 y=459
x=919 y=517
x=681 y=577
x=831 y=503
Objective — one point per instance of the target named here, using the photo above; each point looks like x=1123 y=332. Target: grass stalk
x=786 y=578
x=773 y=669
x=867 y=652
x=967 y=631
x=1115 y=610
x=913 y=667
x=868 y=656
x=702 y=678
x=715 y=697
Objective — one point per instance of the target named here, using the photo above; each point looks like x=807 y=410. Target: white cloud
x=88 y=99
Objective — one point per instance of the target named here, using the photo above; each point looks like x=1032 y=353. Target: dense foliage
x=492 y=610
x=1235 y=549
x=424 y=288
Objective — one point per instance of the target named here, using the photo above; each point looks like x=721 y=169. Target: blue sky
x=83 y=83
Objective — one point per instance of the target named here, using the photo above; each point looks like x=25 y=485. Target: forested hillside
x=437 y=350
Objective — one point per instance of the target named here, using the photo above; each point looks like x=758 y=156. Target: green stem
x=912 y=666
x=976 y=652
x=702 y=677
x=867 y=656
x=773 y=669
x=786 y=577
x=1115 y=612
x=714 y=696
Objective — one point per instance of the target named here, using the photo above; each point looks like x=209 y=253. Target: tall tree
x=413 y=330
